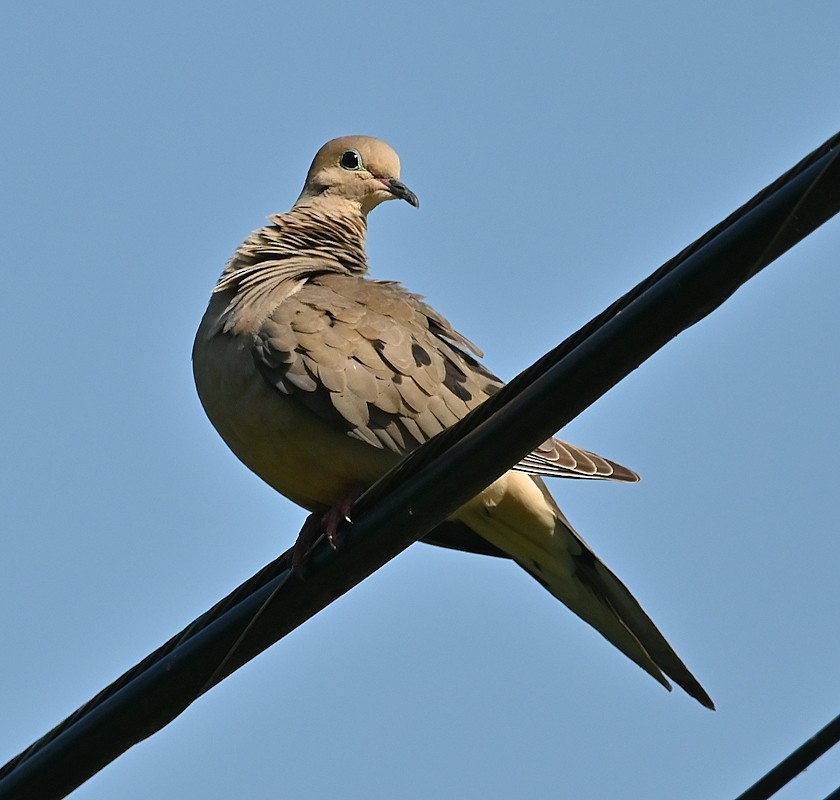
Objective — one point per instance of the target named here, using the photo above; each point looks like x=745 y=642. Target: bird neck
x=337 y=229
x=331 y=236
x=276 y=260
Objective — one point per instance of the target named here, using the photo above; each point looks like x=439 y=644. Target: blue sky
x=561 y=152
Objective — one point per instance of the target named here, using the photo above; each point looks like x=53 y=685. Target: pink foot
x=326 y=524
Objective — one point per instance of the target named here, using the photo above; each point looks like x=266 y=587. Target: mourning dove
x=320 y=379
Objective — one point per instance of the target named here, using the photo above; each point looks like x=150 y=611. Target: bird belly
x=285 y=444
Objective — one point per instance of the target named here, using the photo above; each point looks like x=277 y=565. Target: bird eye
x=350 y=159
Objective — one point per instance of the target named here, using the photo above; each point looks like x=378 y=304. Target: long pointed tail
x=602 y=600
x=519 y=516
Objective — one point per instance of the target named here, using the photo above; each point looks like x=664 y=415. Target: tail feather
x=534 y=532
x=659 y=656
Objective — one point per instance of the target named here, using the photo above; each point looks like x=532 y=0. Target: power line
x=798 y=761
x=416 y=496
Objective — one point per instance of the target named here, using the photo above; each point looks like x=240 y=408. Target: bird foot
x=327 y=524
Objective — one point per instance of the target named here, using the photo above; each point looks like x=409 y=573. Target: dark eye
x=350 y=159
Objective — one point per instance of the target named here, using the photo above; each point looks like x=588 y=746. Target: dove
x=320 y=379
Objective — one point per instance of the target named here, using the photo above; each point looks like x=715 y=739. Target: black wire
x=798 y=761
x=784 y=236
x=418 y=494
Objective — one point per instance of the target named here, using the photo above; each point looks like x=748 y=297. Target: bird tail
x=562 y=562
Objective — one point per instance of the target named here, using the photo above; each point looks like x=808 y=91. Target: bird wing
x=384 y=367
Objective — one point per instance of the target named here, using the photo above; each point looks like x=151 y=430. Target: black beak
x=401 y=191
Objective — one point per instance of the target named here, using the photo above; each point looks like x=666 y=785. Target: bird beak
x=400 y=191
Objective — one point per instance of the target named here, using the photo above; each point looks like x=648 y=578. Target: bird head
x=360 y=169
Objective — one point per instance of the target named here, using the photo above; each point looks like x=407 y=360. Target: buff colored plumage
x=320 y=379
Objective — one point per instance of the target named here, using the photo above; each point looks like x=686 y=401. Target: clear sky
x=561 y=152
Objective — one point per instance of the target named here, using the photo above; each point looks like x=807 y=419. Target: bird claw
x=335 y=518
x=327 y=524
